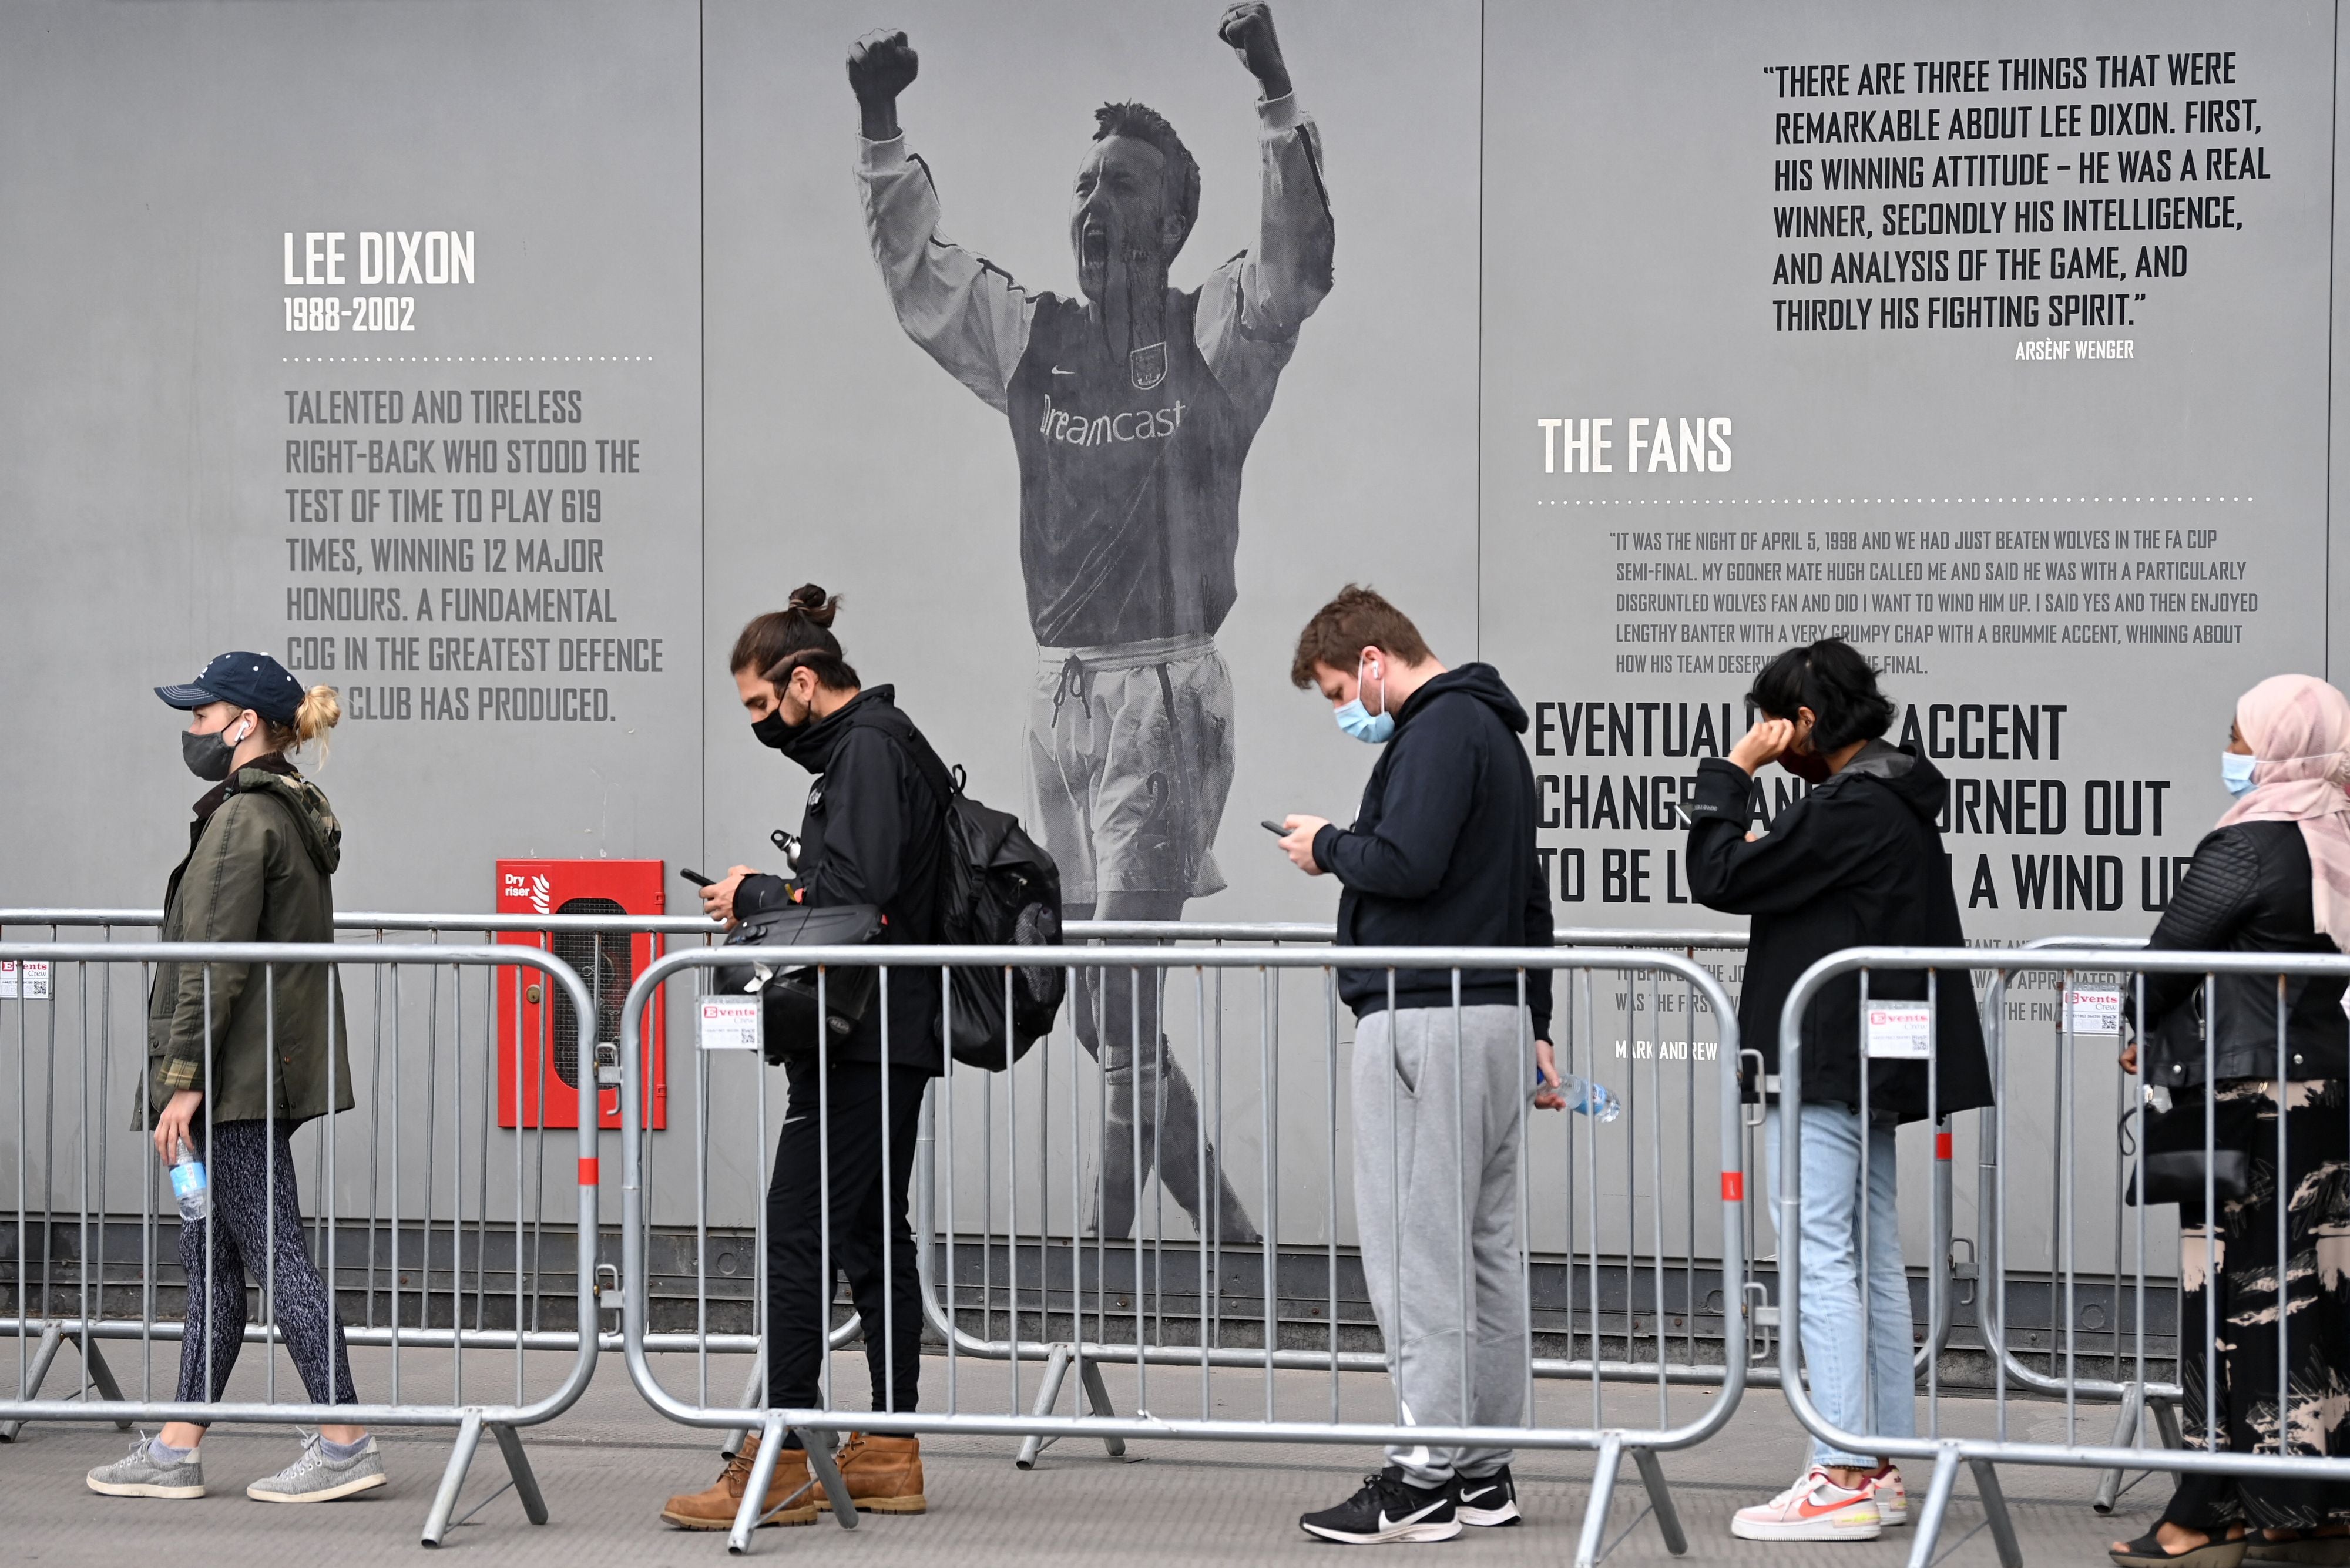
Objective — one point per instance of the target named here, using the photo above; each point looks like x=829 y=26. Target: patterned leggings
x=243 y=1201
x=2314 y=1363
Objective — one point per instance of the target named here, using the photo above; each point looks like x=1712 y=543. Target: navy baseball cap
x=252 y=680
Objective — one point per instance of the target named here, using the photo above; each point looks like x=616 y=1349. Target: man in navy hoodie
x=1442 y=855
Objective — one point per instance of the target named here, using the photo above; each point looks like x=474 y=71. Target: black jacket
x=874 y=833
x=2247 y=890
x=1443 y=852
x=1857 y=861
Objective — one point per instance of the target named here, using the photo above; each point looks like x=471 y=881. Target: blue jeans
x=1830 y=1280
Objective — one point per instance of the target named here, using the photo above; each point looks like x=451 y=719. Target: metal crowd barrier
x=1317 y=933
x=2137 y=1397
x=1609 y=1285
x=73 y=1056
x=2134 y=1385
x=1004 y=1176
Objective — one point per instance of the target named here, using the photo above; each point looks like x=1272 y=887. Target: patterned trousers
x=2250 y=1360
x=246 y=1204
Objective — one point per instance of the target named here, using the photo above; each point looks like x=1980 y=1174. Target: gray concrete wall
x=1545 y=212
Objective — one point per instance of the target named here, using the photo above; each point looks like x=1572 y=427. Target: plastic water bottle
x=1594 y=1100
x=191 y=1185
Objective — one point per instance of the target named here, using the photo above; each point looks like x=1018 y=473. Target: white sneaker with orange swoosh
x=1892 y=1497
x=1814 y=1509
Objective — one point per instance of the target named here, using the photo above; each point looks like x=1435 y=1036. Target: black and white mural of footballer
x=1131 y=408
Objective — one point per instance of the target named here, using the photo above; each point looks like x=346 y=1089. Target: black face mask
x=1809 y=766
x=772 y=733
x=207 y=756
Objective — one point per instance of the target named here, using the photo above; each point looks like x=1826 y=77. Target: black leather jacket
x=2247 y=890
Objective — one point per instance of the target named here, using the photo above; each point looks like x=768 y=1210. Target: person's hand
x=1762 y=743
x=1547 y=1097
x=172 y=1123
x=718 y=899
x=1247 y=26
x=1297 y=841
x=881 y=65
x=2129 y=1057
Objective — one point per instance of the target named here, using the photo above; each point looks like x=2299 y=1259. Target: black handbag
x=789 y=1010
x=2173 y=1161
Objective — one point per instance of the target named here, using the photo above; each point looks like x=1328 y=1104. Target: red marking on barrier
x=1941 y=1146
x=1733 y=1187
x=590 y=1173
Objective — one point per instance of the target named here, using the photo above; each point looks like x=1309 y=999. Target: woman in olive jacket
x=238 y=1056
x=2273 y=876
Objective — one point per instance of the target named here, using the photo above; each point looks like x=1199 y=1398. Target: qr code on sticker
x=26 y=981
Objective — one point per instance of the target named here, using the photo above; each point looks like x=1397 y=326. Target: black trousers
x=883 y=1281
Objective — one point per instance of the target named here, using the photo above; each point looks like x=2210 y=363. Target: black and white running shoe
x=1486 y=1500
x=1388 y=1508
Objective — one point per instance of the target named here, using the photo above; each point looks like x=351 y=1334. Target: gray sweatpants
x=1436 y=1138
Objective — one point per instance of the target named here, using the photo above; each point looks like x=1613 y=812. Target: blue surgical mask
x=2236 y=773
x=1359 y=720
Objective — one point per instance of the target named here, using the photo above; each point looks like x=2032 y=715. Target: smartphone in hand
x=696 y=878
x=1273 y=828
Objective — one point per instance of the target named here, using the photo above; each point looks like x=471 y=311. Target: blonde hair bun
x=320 y=711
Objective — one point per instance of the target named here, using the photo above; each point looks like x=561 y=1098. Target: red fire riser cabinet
x=557 y=1057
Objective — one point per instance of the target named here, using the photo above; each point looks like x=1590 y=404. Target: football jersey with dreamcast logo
x=1129 y=479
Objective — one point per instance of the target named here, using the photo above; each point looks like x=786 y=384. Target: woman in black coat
x=2273 y=876
x=1857 y=861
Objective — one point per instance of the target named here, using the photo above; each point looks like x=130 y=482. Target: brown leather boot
x=884 y=1474
x=715 y=1509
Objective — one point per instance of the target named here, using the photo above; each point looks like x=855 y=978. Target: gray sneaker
x=139 y=1475
x=315 y=1478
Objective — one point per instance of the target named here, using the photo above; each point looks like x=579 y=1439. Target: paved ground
x=607 y=1465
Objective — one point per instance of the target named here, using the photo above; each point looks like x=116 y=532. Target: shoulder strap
x=889 y=722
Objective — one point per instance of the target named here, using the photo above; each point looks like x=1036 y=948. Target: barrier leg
x=1592 y=1545
x=452 y=1479
x=751 y=1399
x=525 y=1479
x=754 y=1491
x=1661 y=1498
x=1994 y=1504
x=2166 y=1423
x=51 y=1338
x=1048 y=1394
x=1928 y=1525
x=2125 y=1436
x=1098 y=1402
x=101 y=1377
x=827 y=1474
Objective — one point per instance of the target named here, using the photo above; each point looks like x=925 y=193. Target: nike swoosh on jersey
x=1059 y=371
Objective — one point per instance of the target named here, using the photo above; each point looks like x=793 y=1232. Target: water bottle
x=1594 y=1100
x=191 y=1185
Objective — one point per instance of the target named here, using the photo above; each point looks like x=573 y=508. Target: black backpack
x=999 y=889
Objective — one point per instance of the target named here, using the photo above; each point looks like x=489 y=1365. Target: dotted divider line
x=1900 y=501
x=466 y=359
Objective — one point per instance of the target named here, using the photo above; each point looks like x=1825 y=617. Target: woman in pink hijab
x=2272 y=877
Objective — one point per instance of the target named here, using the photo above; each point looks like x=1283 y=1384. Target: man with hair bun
x=1132 y=408
x=874 y=832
